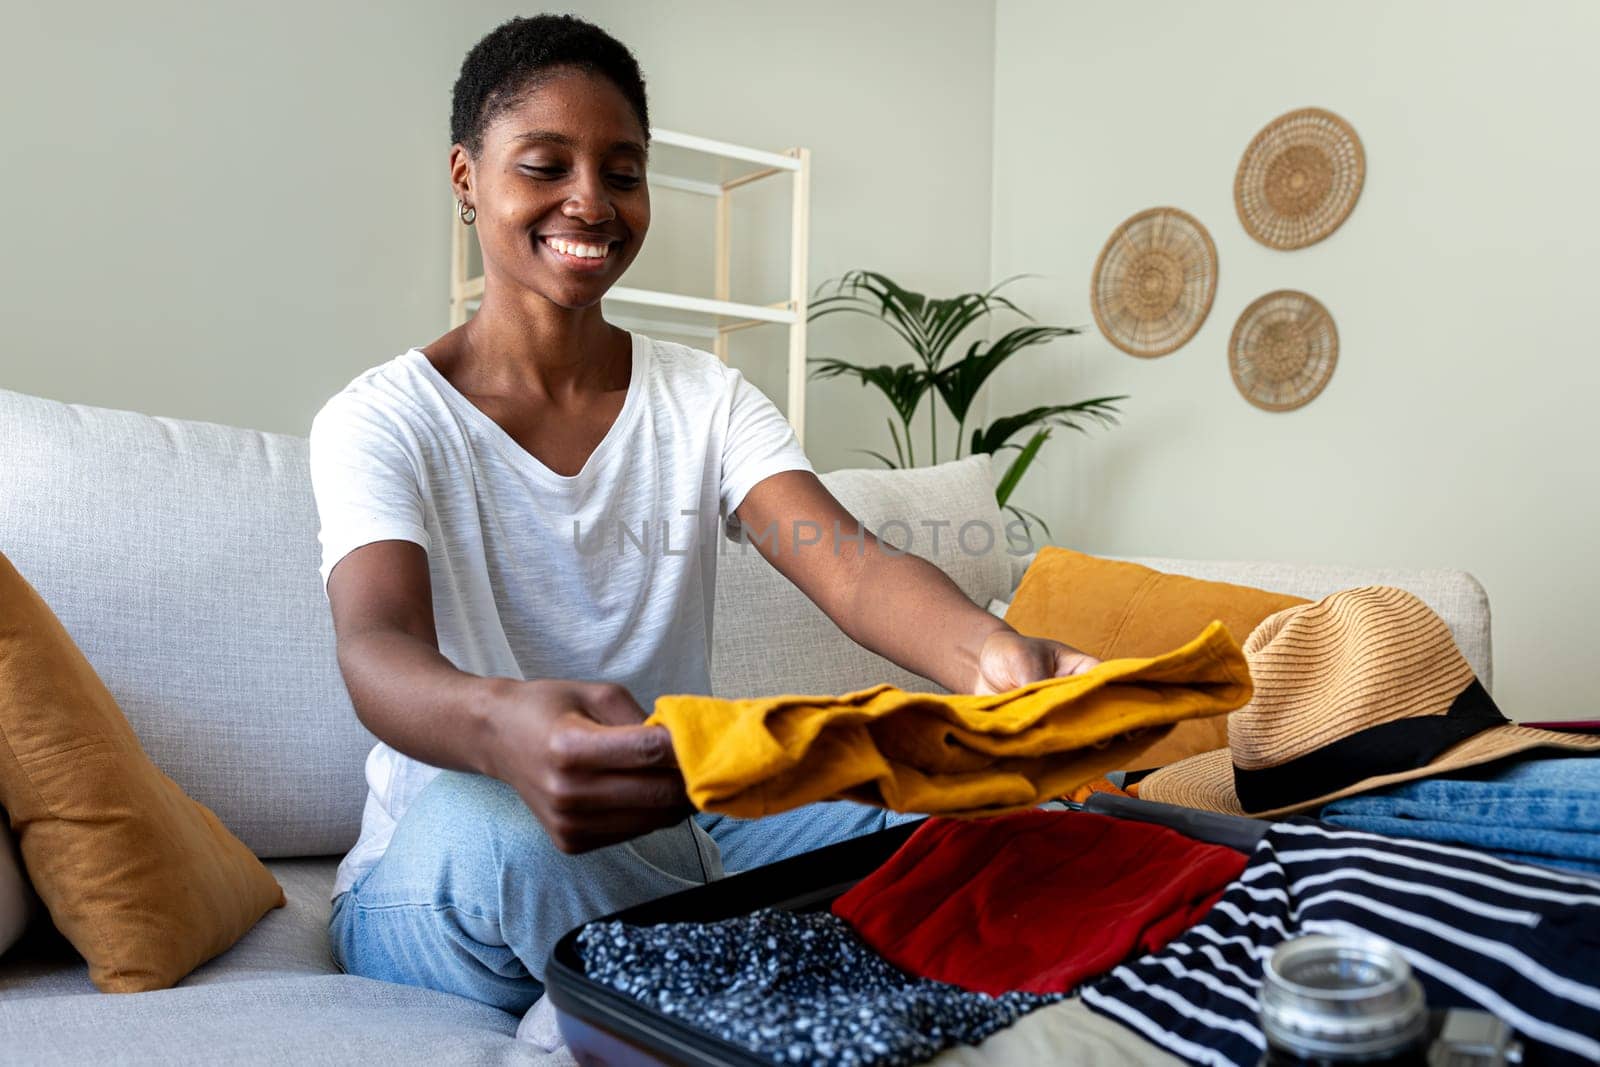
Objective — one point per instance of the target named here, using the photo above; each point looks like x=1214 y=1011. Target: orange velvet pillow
x=1113 y=610
x=145 y=883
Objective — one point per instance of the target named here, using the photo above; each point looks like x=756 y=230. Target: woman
x=491 y=626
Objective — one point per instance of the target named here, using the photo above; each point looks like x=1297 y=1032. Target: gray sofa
x=182 y=557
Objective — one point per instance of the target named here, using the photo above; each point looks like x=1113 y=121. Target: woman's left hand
x=1008 y=660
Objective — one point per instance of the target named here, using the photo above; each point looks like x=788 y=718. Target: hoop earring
x=467 y=214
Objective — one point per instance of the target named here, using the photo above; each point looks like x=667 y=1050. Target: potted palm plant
x=931 y=328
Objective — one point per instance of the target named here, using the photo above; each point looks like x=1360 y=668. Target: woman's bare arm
x=574 y=750
x=892 y=602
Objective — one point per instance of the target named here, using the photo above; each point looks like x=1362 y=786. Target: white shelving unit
x=714 y=318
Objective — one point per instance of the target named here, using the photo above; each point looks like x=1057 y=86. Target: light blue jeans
x=471 y=895
x=1543 y=811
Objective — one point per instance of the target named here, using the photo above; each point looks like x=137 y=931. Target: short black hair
x=521 y=54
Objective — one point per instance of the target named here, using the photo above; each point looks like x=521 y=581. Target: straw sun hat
x=1360 y=690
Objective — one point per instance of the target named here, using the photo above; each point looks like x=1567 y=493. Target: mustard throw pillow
x=145 y=883
x=1111 y=610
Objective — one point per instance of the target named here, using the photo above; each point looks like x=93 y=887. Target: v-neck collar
x=520 y=457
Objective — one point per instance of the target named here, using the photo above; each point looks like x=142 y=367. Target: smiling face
x=559 y=188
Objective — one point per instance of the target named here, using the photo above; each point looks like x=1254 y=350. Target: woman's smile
x=587 y=256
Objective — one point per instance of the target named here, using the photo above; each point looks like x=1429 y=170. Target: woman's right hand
x=584 y=763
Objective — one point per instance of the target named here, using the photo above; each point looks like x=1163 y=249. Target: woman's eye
x=627 y=181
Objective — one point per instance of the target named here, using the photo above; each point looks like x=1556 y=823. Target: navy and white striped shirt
x=1521 y=942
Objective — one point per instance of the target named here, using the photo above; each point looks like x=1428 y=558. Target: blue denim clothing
x=1541 y=811
x=471 y=895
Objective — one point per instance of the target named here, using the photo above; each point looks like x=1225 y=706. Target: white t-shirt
x=601 y=576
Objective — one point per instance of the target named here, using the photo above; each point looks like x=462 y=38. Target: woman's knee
x=456 y=800
x=432 y=945
x=468 y=819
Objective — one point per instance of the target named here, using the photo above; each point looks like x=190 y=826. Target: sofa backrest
x=182 y=558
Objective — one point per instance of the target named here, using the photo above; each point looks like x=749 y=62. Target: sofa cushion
x=276 y=997
x=182 y=558
x=325 y=1020
x=145 y=882
x=1113 y=609
x=771 y=639
x=1457 y=597
x=289 y=942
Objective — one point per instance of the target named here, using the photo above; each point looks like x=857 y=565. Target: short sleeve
x=759 y=443
x=365 y=481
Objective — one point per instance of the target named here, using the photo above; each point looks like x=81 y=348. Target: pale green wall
x=1459 y=429
x=227 y=211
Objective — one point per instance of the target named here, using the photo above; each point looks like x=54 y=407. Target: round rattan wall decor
x=1154 y=282
x=1283 y=350
x=1299 y=179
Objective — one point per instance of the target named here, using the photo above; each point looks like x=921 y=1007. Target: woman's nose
x=589 y=199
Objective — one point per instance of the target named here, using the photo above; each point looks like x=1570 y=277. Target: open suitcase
x=602 y=1026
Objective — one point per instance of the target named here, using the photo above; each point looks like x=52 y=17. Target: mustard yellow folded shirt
x=953 y=755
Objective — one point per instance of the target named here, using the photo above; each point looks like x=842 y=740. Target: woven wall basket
x=1154 y=282
x=1283 y=350
x=1299 y=179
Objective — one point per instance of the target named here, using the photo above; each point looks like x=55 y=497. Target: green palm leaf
x=1028 y=519
x=904 y=385
x=930 y=327
x=896 y=437
x=879 y=456
x=959 y=383
x=1019 y=466
x=993 y=437
x=866 y=292
x=963 y=311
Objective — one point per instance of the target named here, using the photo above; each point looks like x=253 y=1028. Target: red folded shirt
x=1036 y=901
